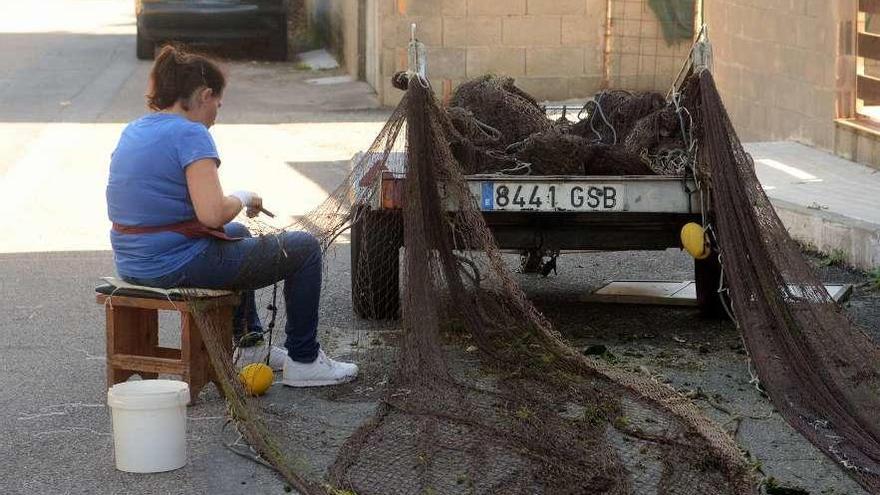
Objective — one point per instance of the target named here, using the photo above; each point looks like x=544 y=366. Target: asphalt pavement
x=69 y=82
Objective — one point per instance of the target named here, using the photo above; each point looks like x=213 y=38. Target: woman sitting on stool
x=171 y=220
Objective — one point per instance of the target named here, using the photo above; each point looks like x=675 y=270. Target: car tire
x=376 y=239
x=278 y=43
x=145 y=48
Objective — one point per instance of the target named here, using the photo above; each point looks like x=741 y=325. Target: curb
x=828 y=232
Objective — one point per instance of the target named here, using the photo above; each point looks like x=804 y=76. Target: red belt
x=192 y=229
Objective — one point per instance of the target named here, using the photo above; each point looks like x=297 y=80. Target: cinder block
x=578 y=30
x=421 y=7
x=386 y=7
x=401 y=59
x=389 y=62
x=650 y=29
x=647 y=65
x=597 y=9
x=816 y=73
x=472 y=31
x=627 y=44
x=648 y=82
x=556 y=7
x=626 y=65
x=820 y=8
x=447 y=63
x=532 y=30
x=496 y=60
x=623 y=82
x=397 y=31
x=454 y=31
x=543 y=62
x=388 y=29
x=454 y=7
x=755 y=117
x=785 y=30
x=594 y=59
x=633 y=10
x=583 y=88
x=447 y=89
x=648 y=46
x=496 y=7
x=545 y=88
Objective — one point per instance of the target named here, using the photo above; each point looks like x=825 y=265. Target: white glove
x=246 y=197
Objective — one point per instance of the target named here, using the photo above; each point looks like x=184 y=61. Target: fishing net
x=498 y=129
x=482 y=395
x=820 y=370
x=497 y=103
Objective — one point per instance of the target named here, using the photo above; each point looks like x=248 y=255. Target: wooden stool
x=133 y=335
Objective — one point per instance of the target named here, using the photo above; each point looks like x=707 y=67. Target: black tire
x=376 y=239
x=278 y=44
x=145 y=47
x=707 y=276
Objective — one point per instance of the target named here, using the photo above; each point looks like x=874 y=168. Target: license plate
x=561 y=196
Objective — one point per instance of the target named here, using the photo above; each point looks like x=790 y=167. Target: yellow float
x=256 y=378
x=695 y=241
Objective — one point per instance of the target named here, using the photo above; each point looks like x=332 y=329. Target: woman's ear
x=205 y=94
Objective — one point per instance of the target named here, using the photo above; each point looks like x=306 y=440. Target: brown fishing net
x=820 y=370
x=532 y=415
x=499 y=104
x=483 y=396
x=497 y=128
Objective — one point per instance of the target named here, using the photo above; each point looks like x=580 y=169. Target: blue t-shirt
x=147 y=188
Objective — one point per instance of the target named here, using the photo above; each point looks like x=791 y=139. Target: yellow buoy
x=256 y=378
x=694 y=240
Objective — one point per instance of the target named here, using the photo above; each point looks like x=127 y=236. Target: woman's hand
x=251 y=201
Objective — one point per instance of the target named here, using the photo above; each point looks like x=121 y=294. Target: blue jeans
x=253 y=263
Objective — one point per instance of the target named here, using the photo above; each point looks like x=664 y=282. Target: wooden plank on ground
x=673 y=293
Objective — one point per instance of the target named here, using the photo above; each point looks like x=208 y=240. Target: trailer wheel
x=707 y=275
x=376 y=239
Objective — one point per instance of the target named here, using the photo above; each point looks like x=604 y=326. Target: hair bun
x=177 y=74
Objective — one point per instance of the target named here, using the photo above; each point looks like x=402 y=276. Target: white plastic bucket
x=149 y=425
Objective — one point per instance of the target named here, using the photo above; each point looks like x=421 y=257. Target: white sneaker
x=322 y=371
x=244 y=356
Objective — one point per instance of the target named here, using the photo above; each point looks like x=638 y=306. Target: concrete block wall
x=782 y=66
x=554 y=48
x=639 y=58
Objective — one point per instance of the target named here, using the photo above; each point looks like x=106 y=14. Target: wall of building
x=784 y=68
x=556 y=49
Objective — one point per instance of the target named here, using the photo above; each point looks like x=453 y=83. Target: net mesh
x=482 y=394
x=819 y=369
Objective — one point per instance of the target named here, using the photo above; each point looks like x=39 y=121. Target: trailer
x=530 y=214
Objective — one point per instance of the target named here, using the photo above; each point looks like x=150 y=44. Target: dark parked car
x=205 y=21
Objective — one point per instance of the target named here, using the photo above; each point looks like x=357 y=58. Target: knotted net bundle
x=483 y=396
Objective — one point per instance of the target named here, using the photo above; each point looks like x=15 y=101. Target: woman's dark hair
x=177 y=74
